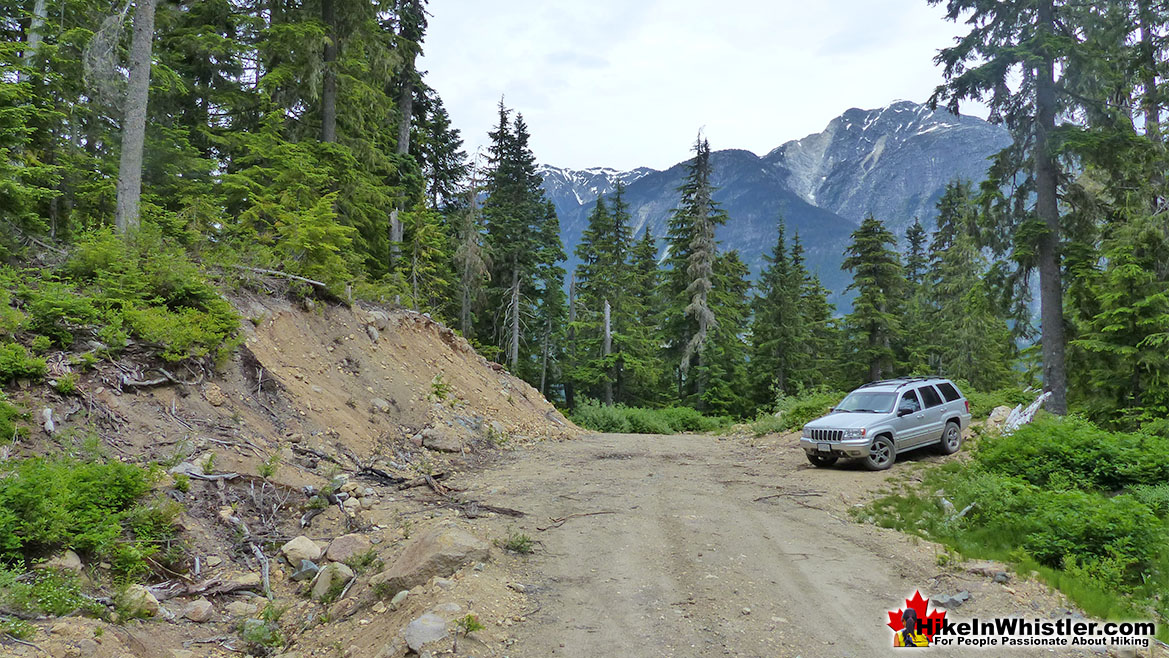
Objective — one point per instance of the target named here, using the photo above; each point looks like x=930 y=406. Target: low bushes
x=984 y=402
x=794 y=411
x=621 y=419
x=1088 y=506
x=51 y=503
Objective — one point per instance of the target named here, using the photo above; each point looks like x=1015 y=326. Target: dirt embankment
x=351 y=401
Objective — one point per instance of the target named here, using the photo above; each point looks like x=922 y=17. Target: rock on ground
x=300 y=548
x=347 y=547
x=67 y=561
x=139 y=601
x=441 y=439
x=424 y=630
x=199 y=610
x=998 y=416
x=332 y=575
x=440 y=551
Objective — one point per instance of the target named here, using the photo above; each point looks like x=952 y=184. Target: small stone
x=746 y=611
x=300 y=548
x=307 y=570
x=517 y=587
x=398 y=598
x=380 y=405
x=67 y=561
x=448 y=608
x=479 y=566
x=952 y=601
x=1002 y=577
x=213 y=561
x=138 y=600
x=181 y=653
x=441 y=440
x=329 y=577
x=246 y=581
x=379 y=607
x=241 y=609
x=349 y=487
x=88 y=646
x=444 y=583
x=351 y=506
x=199 y=610
x=347 y=547
x=423 y=630
x=214 y=395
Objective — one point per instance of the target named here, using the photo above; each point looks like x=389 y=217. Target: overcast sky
x=626 y=83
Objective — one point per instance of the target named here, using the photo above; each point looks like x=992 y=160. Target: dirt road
x=681 y=558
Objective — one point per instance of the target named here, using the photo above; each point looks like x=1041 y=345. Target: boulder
x=347 y=547
x=380 y=405
x=424 y=630
x=441 y=440
x=199 y=610
x=138 y=601
x=439 y=552
x=952 y=601
x=308 y=569
x=300 y=548
x=67 y=561
x=331 y=576
x=241 y=609
x=998 y=416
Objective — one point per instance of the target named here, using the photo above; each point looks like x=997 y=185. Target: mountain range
x=892 y=162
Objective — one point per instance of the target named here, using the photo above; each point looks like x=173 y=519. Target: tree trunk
x=569 y=391
x=134 y=122
x=1149 y=104
x=329 y=85
x=396 y=232
x=1047 y=208
x=606 y=350
x=513 y=353
x=544 y=360
x=406 y=106
x=33 y=41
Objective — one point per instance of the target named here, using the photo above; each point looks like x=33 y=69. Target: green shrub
x=646 y=421
x=1154 y=496
x=41 y=344
x=984 y=402
x=1054 y=450
x=66 y=384
x=55 y=310
x=591 y=414
x=9 y=414
x=795 y=411
x=17 y=363
x=51 y=503
x=51 y=592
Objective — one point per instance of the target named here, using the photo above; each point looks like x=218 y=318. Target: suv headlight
x=855 y=433
x=807 y=433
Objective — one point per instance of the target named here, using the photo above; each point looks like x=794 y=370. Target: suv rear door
x=933 y=422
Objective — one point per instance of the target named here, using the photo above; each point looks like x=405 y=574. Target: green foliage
x=517 y=542
x=66 y=384
x=269 y=466
x=469 y=624
x=182 y=482
x=17 y=628
x=260 y=636
x=798 y=410
x=982 y=403
x=16 y=363
x=621 y=419
x=9 y=415
x=1052 y=451
x=440 y=390
x=47 y=591
x=47 y=504
x=1075 y=502
x=874 y=325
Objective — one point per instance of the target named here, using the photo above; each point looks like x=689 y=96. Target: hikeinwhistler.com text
x=1019 y=632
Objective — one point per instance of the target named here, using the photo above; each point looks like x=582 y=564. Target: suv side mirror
x=905 y=411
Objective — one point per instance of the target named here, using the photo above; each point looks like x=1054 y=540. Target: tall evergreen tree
x=777 y=326
x=642 y=351
x=874 y=326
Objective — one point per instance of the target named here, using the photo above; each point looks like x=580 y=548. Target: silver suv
x=878 y=421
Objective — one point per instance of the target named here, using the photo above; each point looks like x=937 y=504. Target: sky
x=628 y=83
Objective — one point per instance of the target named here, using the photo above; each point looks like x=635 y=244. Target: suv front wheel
x=881 y=454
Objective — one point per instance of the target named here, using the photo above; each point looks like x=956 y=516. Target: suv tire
x=951 y=439
x=881 y=454
x=821 y=461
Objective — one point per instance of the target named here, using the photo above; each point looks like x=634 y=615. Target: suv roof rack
x=902 y=381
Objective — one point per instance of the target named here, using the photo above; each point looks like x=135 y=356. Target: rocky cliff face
x=892 y=162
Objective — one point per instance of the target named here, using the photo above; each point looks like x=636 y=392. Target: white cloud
x=622 y=84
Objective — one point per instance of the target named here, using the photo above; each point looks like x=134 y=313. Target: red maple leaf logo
x=930 y=623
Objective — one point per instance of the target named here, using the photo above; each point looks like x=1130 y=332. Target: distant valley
x=892 y=162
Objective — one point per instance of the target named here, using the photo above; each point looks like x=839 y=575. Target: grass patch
x=618 y=418
x=1084 y=508
x=517 y=542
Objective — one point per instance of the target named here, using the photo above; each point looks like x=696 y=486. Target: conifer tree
x=819 y=356
x=642 y=353
x=777 y=326
x=874 y=326
x=916 y=259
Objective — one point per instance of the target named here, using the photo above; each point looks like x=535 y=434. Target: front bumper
x=842 y=448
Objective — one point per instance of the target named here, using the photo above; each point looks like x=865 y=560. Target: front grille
x=827 y=435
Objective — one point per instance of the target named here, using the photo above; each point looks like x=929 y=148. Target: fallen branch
x=557 y=522
x=300 y=450
x=260 y=270
x=472 y=509
x=791 y=494
x=422 y=481
x=380 y=475
x=27 y=644
x=263 y=568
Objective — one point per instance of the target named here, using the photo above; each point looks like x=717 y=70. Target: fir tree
x=874 y=325
x=777 y=326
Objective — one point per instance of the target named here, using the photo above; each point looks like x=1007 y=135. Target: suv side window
x=929 y=396
x=948 y=391
x=909 y=401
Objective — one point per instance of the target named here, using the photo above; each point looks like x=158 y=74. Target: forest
x=165 y=145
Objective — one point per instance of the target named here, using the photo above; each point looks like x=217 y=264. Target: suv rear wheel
x=951 y=439
x=821 y=461
x=881 y=454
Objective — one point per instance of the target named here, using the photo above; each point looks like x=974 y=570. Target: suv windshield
x=871 y=402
